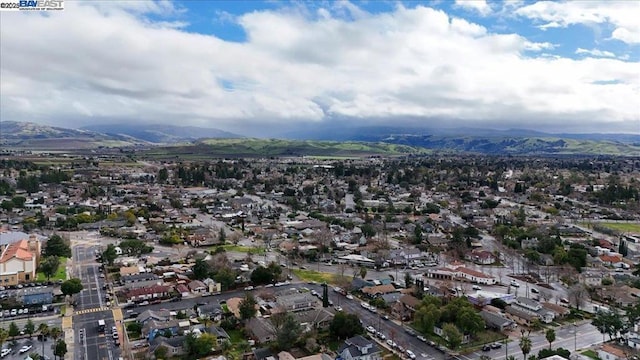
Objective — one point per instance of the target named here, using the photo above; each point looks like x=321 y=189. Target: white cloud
x=622 y=15
x=596 y=52
x=479 y=6
x=90 y=65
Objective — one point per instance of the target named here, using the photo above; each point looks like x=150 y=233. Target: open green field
x=622 y=227
x=61 y=274
x=310 y=275
x=237 y=248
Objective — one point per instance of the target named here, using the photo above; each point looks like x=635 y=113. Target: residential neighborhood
x=302 y=258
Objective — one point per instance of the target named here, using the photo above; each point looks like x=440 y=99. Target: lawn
x=61 y=274
x=590 y=353
x=237 y=248
x=310 y=275
x=236 y=336
x=622 y=227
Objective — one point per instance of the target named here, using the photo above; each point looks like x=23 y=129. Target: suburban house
x=19 y=261
x=359 y=348
x=296 y=302
x=260 y=329
x=319 y=318
x=139 y=280
x=481 y=257
x=496 y=321
x=197 y=287
x=405 y=307
x=174 y=345
x=610 y=352
x=378 y=290
x=148 y=293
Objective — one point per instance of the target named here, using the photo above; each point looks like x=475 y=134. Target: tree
x=261 y=275
x=368 y=231
x=110 y=254
x=29 y=328
x=636 y=271
x=134 y=247
x=525 y=345
x=363 y=272
x=201 y=269
x=247 y=307
x=14 y=330
x=71 y=287
x=452 y=334
x=56 y=246
x=49 y=265
x=7 y=205
x=199 y=346
x=55 y=333
x=608 y=322
x=287 y=330
x=222 y=236
x=577 y=294
x=161 y=352
x=344 y=326
x=469 y=321
x=4 y=334
x=60 y=348
x=43 y=329
x=550 y=334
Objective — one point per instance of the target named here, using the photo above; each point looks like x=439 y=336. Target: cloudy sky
x=261 y=67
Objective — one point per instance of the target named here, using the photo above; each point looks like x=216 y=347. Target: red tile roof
x=19 y=250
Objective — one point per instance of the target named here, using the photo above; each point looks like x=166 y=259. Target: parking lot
x=36 y=346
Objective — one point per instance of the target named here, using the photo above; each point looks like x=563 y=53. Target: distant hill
x=37 y=136
x=484 y=141
x=161 y=134
x=251 y=147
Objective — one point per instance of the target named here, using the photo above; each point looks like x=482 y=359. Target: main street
x=570 y=337
x=91 y=306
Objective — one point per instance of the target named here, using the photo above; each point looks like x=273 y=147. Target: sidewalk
x=69 y=334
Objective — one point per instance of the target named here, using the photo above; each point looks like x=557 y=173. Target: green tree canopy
x=345 y=325
x=247 y=307
x=110 y=254
x=452 y=334
x=287 y=330
x=56 y=246
x=14 y=330
x=71 y=286
x=49 y=265
x=60 y=348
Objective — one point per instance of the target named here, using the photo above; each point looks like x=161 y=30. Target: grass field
x=590 y=353
x=61 y=274
x=310 y=275
x=243 y=249
x=622 y=227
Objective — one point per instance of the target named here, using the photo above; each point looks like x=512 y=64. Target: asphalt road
x=90 y=307
x=570 y=337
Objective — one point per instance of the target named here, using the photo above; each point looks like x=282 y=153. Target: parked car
x=25 y=348
x=514 y=283
x=476 y=287
x=486 y=348
x=411 y=354
x=534 y=290
x=5 y=352
x=496 y=345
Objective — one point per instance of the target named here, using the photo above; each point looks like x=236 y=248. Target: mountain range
x=473 y=140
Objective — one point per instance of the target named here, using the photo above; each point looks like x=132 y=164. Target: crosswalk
x=92 y=310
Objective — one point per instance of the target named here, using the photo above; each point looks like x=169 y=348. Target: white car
x=5 y=352
x=364 y=305
x=25 y=348
x=248 y=288
x=476 y=287
x=349 y=296
x=514 y=283
x=371 y=329
x=410 y=354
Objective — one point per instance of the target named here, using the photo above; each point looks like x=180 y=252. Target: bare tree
x=577 y=295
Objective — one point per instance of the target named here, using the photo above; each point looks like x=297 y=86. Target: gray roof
x=495 y=319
